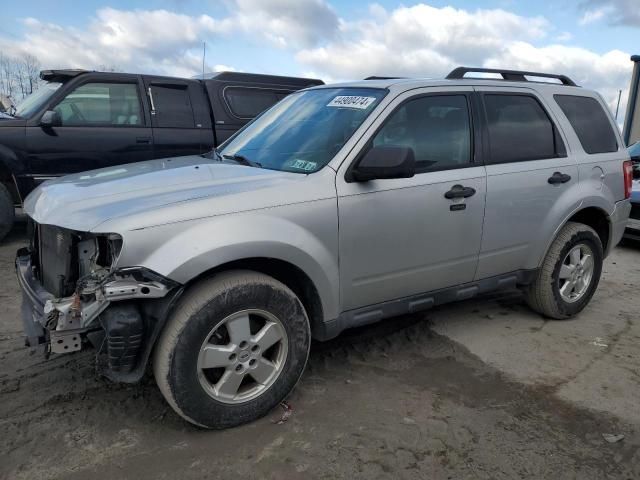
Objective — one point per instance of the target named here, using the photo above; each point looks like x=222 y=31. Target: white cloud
x=161 y=41
x=138 y=40
x=617 y=12
x=417 y=40
x=420 y=40
x=592 y=16
x=607 y=73
x=425 y=41
x=564 y=37
x=286 y=23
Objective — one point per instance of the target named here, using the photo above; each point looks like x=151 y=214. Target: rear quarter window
x=248 y=103
x=590 y=122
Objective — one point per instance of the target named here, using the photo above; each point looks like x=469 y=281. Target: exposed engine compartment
x=73 y=279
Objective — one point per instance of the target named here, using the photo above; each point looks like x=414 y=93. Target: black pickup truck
x=81 y=120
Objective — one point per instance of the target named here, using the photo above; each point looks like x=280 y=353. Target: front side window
x=100 y=104
x=437 y=128
x=590 y=122
x=304 y=131
x=520 y=129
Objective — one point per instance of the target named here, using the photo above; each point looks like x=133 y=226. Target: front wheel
x=570 y=273
x=234 y=349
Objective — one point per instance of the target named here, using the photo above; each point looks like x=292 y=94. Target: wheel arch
x=285 y=272
x=594 y=216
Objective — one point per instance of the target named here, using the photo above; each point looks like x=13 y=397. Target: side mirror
x=50 y=118
x=384 y=162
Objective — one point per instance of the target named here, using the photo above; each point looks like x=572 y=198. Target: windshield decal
x=303 y=165
x=351 y=101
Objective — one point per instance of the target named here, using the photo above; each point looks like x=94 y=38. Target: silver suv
x=340 y=206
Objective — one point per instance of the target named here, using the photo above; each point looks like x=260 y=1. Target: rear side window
x=250 y=102
x=172 y=106
x=520 y=129
x=590 y=122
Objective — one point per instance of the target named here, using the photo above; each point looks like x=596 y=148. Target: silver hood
x=158 y=192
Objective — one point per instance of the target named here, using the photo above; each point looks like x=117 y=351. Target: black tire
x=543 y=294
x=7 y=211
x=204 y=306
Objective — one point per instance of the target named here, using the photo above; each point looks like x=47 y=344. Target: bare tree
x=19 y=77
x=31 y=70
x=7 y=76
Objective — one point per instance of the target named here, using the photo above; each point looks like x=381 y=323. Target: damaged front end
x=74 y=296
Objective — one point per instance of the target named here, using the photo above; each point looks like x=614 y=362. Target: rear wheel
x=569 y=274
x=234 y=349
x=7 y=211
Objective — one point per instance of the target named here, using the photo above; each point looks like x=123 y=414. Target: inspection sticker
x=304 y=165
x=351 y=101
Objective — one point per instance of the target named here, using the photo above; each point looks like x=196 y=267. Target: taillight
x=627 y=167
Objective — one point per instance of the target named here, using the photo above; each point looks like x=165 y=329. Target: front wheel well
x=596 y=219
x=290 y=275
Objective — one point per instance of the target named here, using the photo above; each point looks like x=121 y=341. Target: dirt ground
x=483 y=389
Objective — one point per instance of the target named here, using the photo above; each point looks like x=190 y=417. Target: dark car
x=633 y=227
x=81 y=120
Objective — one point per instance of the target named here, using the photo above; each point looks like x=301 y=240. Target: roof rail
x=57 y=75
x=259 y=77
x=510 y=75
x=373 y=77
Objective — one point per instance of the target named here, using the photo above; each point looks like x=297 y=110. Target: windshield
x=304 y=131
x=32 y=103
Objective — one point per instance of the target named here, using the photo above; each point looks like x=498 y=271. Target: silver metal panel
x=523 y=210
x=399 y=237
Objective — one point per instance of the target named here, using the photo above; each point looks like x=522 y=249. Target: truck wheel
x=234 y=348
x=7 y=211
x=569 y=274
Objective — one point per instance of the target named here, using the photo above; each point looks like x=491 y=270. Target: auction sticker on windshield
x=351 y=101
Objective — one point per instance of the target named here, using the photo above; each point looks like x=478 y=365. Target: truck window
x=245 y=102
x=437 y=128
x=590 y=122
x=99 y=104
x=172 y=106
x=520 y=129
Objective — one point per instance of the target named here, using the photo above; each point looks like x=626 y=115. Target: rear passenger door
x=177 y=118
x=528 y=171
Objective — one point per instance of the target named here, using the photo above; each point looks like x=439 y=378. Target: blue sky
x=565 y=15
x=331 y=39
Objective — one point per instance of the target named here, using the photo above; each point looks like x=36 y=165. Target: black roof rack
x=510 y=75
x=383 y=78
x=259 y=77
x=57 y=75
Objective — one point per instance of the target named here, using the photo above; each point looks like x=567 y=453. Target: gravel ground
x=483 y=389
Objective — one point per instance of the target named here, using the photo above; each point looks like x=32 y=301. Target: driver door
x=403 y=237
x=101 y=124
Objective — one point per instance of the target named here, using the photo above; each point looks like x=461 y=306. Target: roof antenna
x=204 y=53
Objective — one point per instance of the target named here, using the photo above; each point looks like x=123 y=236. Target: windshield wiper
x=242 y=160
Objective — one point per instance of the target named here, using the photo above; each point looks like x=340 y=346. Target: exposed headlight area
x=73 y=277
x=62 y=258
